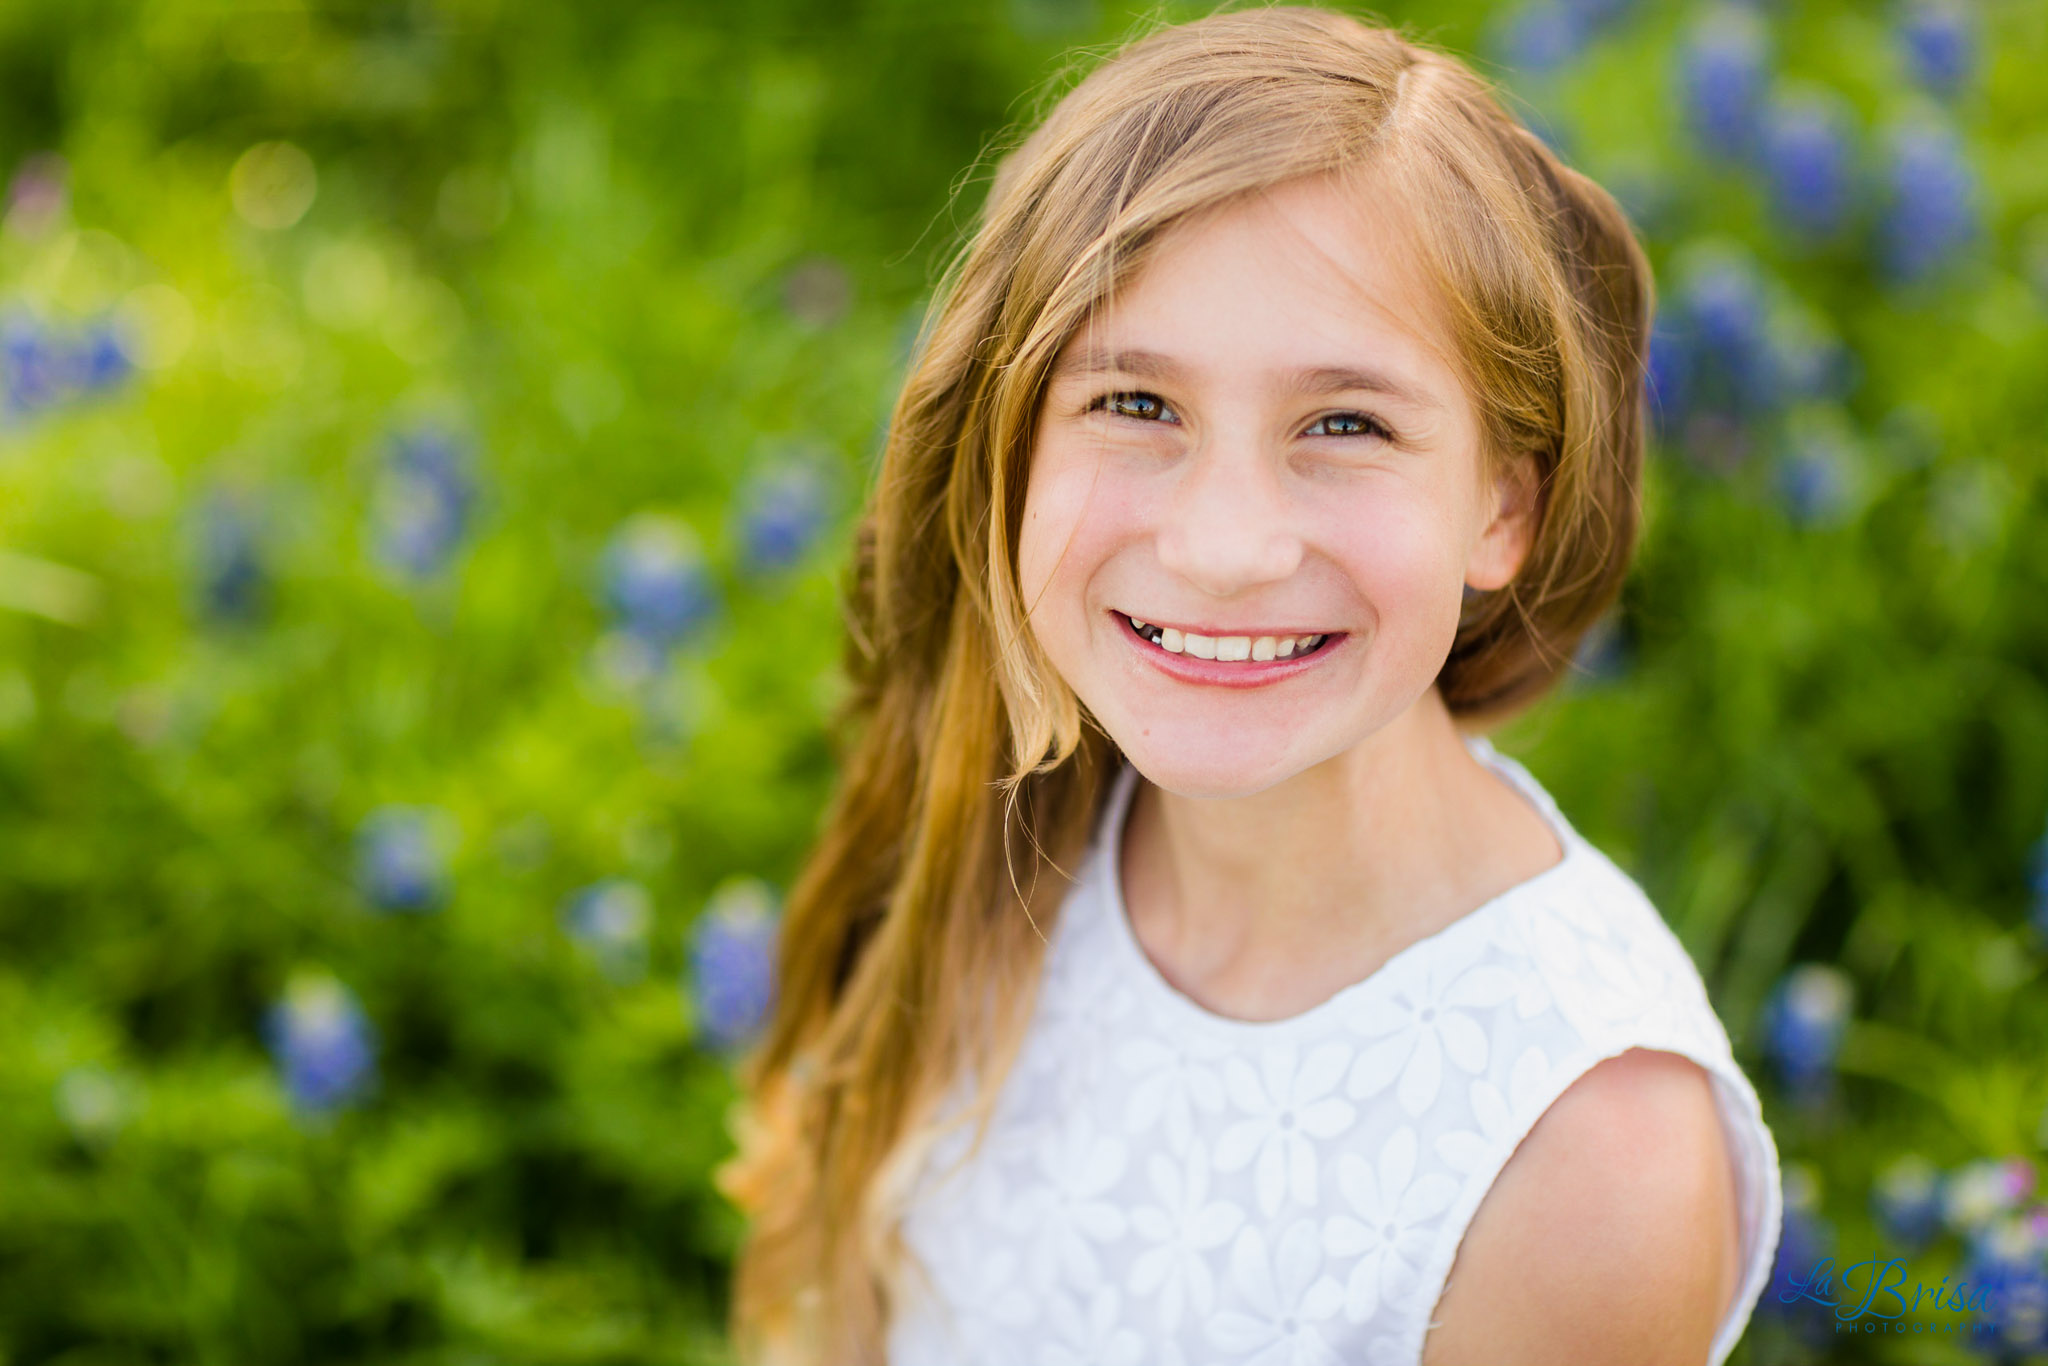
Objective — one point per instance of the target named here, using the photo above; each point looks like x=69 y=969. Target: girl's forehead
x=1316 y=273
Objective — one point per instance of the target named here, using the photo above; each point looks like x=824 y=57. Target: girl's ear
x=1504 y=542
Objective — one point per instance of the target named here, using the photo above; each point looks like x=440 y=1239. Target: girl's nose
x=1226 y=526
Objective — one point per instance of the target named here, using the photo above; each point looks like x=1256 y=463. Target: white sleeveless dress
x=1165 y=1185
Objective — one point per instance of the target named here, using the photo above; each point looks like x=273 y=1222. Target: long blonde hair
x=912 y=938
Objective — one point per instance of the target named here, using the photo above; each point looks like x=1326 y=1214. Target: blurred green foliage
x=428 y=445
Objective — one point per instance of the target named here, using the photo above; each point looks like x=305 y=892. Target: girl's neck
x=1261 y=907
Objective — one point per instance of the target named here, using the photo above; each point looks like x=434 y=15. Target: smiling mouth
x=1229 y=649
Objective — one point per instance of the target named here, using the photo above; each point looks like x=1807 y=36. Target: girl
x=1179 y=977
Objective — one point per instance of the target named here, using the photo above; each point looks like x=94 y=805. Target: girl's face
x=1281 y=449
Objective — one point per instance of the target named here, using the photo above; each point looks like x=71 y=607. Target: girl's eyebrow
x=1317 y=379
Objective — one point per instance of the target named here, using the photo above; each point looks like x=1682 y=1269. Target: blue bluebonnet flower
x=611 y=919
x=2005 y=1259
x=1727 y=307
x=732 y=961
x=1906 y=1201
x=1724 y=70
x=233 y=582
x=1931 y=211
x=780 y=514
x=31 y=364
x=1715 y=370
x=1809 y=162
x=400 y=865
x=1803 y=1023
x=1939 y=41
x=1540 y=35
x=1819 y=474
x=322 y=1043
x=100 y=361
x=1597 y=15
x=423 y=500
x=41 y=367
x=656 y=581
x=1666 y=381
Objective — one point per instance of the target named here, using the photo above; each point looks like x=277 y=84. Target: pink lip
x=1236 y=674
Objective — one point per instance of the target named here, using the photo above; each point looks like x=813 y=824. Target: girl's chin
x=1206 y=764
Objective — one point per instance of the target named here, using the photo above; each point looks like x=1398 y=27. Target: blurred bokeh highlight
x=429 y=438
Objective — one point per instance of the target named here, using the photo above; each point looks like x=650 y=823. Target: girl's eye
x=1150 y=408
x=1115 y=403
x=1361 y=424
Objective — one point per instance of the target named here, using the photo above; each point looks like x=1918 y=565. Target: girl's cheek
x=1058 y=506
x=1397 y=553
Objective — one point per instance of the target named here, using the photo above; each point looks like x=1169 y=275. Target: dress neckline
x=1164 y=996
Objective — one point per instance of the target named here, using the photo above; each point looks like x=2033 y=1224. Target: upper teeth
x=1224 y=647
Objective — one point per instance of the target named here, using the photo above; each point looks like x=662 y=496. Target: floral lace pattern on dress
x=1164 y=1185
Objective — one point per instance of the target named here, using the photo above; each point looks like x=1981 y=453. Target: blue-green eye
x=1367 y=425
x=1110 y=400
x=1119 y=402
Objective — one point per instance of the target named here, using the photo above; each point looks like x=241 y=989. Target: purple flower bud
x=656 y=582
x=399 y=861
x=1803 y=1023
x=1724 y=68
x=1906 y=1201
x=1938 y=39
x=732 y=961
x=1932 y=206
x=322 y=1043
x=233 y=583
x=38 y=195
x=1809 y=153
